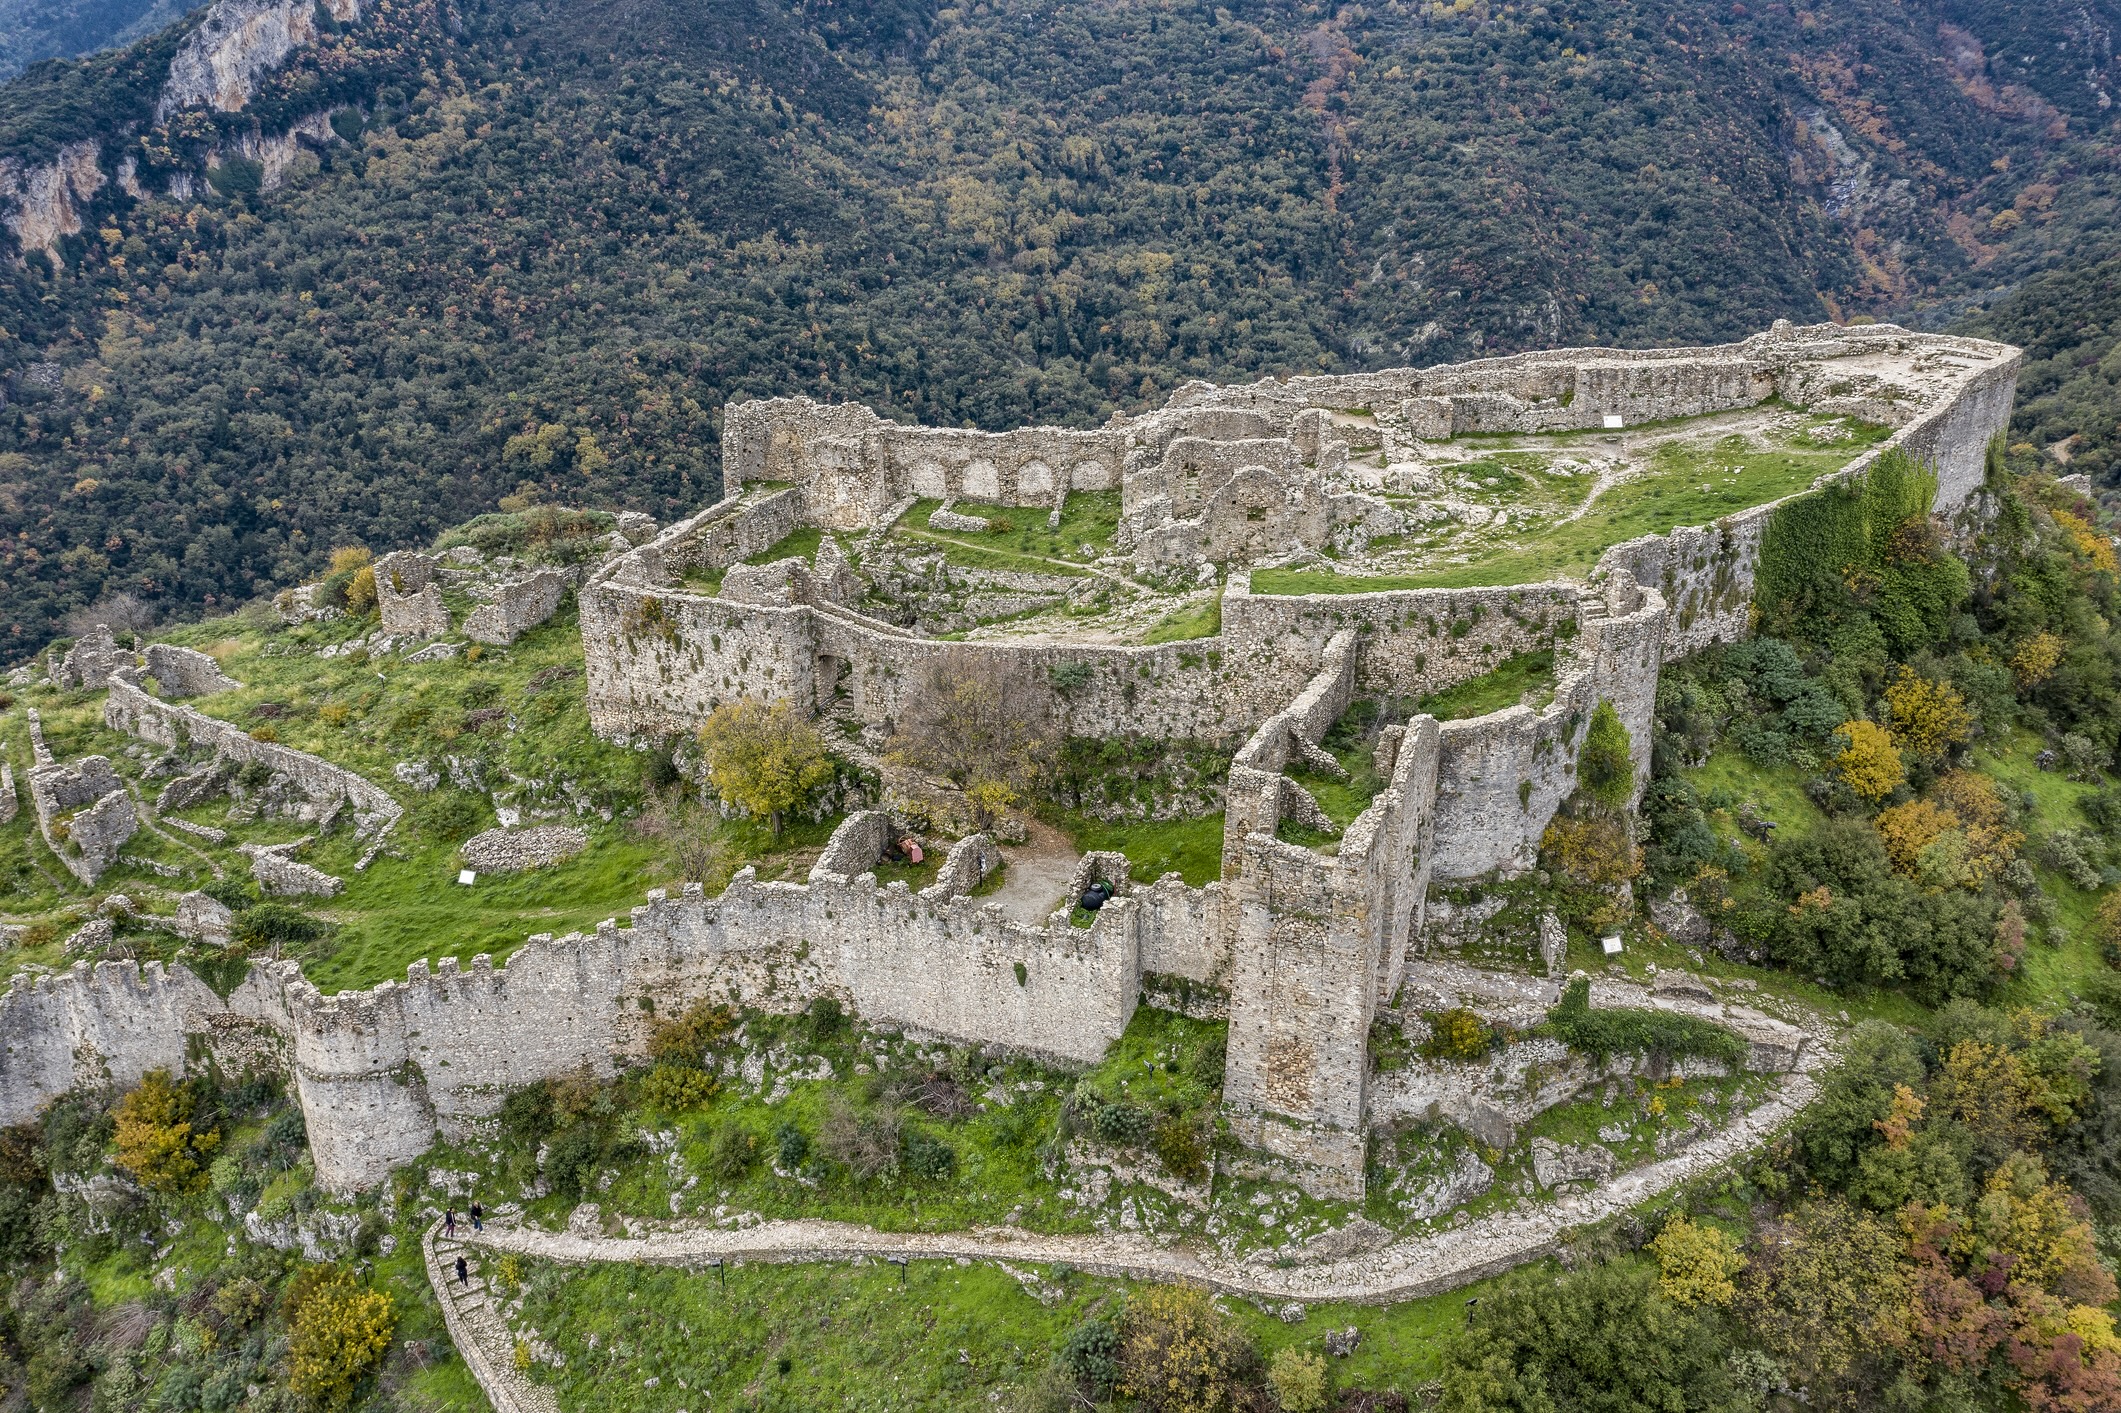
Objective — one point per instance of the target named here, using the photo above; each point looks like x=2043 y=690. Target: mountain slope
x=33 y=30
x=317 y=306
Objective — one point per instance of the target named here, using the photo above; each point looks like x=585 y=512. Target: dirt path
x=1037 y=879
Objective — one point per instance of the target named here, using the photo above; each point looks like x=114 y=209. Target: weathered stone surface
x=1554 y=1164
x=511 y=850
x=409 y=595
x=9 y=804
x=203 y=919
x=285 y=877
x=182 y=672
x=89 y=663
x=1678 y=918
x=83 y=813
x=517 y=606
x=92 y=936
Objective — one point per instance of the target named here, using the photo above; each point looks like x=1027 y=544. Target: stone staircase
x=478 y=1328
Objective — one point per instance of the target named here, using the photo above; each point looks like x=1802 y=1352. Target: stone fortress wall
x=1299 y=946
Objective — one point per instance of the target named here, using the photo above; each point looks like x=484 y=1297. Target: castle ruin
x=1299 y=946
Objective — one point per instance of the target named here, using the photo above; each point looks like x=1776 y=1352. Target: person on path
x=476 y=1214
x=449 y=1222
x=463 y=1272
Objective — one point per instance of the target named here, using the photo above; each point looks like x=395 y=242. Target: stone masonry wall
x=130 y=709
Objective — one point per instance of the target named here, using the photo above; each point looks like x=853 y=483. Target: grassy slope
x=1526 y=678
x=1693 y=485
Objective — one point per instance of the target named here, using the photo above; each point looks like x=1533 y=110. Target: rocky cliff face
x=41 y=204
x=238 y=42
x=219 y=66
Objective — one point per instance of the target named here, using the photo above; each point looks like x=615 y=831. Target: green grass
x=799 y=543
x=1691 y=484
x=1525 y=677
x=1026 y=546
x=1087 y=518
x=1194 y=620
x=936 y=1337
x=1192 y=848
x=407 y=905
x=1776 y=793
x=2050 y=976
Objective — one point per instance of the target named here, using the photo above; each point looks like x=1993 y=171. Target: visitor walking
x=476 y=1213
x=463 y=1272
x=449 y=1222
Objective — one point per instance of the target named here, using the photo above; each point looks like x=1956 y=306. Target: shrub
x=156 y=1141
x=1605 y=1033
x=339 y=1329
x=866 y=1146
x=361 y=590
x=1929 y=717
x=1090 y=1355
x=1599 y=1338
x=2036 y=658
x=1178 y=1355
x=1298 y=1378
x=791 y=1147
x=1593 y=850
x=2106 y=928
x=731 y=1151
x=1457 y=1034
x=687 y=1039
x=271 y=924
x=571 y=1159
x=1696 y=1264
x=1179 y=1147
x=677 y=1087
x=926 y=1156
x=1123 y=1124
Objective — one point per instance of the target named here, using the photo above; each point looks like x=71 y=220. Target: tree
x=340 y=1329
x=1298 y=1378
x=1929 y=717
x=1594 y=1340
x=2034 y=661
x=1869 y=763
x=156 y=1141
x=763 y=760
x=1696 y=1263
x=1179 y=1355
x=1827 y=1295
x=1606 y=766
x=983 y=724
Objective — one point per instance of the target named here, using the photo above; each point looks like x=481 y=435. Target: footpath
x=1414 y=1266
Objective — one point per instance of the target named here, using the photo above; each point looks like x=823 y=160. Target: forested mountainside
x=31 y=30
x=292 y=277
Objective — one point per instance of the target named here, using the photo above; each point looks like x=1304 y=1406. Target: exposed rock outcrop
x=238 y=43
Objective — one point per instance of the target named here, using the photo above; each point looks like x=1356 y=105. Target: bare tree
x=984 y=724
x=124 y=612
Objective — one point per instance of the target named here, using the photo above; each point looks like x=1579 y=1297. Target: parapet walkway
x=1417 y=1266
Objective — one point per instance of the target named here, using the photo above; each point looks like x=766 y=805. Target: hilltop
x=360 y=284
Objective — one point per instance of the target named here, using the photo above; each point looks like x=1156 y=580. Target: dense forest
x=614 y=218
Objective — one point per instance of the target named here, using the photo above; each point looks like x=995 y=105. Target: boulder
x=1555 y=1164
x=204 y=919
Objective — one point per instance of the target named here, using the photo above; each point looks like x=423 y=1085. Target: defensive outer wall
x=1297 y=947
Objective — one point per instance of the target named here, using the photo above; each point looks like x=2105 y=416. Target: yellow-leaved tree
x=340 y=1330
x=1929 y=717
x=156 y=1141
x=1697 y=1265
x=763 y=760
x=1869 y=763
x=2036 y=659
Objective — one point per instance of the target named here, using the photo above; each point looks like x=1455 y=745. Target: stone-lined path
x=1416 y=1266
x=478 y=1328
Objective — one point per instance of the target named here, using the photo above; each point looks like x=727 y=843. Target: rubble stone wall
x=130 y=709
x=182 y=672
